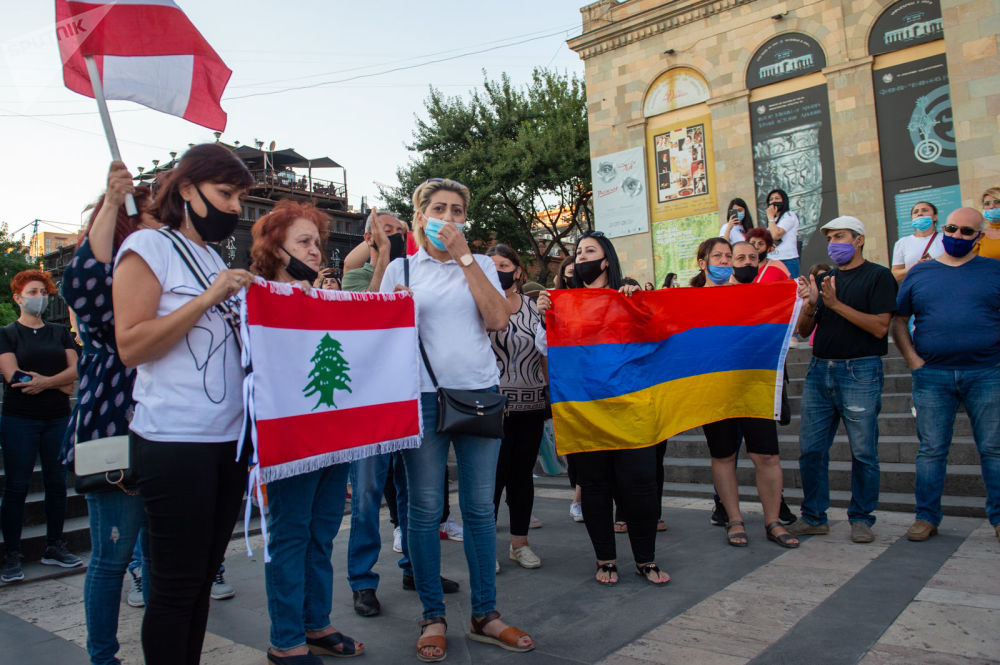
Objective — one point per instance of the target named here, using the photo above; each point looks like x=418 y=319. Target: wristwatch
x=466 y=260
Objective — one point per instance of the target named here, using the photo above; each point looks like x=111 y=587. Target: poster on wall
x=783 y=57
x=675 y=89
x=681 y=175
x=793 y=151
x=675 y=245
x=620 y=205
x=904 y=24
x=916 y=137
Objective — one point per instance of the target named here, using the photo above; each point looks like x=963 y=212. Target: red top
x=771 y=273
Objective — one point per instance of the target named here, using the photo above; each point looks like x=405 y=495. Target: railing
x=294 y=182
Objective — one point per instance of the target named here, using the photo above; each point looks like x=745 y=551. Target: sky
x=55 y=157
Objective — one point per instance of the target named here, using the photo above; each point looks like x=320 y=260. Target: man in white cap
x=850 y=308
x=955 y=359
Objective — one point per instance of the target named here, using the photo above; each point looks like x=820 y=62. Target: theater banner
x=793 y=151
x=916 y=140
x=620 y=204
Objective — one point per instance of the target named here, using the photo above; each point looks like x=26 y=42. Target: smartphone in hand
x=20 y=377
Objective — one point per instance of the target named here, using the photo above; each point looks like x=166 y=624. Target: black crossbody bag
x=464 y=411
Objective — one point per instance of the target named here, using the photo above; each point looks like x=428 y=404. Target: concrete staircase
x=688 y=471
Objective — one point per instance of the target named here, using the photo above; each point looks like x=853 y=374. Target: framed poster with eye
x=620 y=205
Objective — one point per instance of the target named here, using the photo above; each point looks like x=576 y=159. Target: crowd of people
x=155 y=310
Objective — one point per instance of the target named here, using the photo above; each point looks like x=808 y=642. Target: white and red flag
x=335 y=376
x=146 y=51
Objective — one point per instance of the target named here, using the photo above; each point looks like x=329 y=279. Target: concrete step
x=34 y=507
x=961 y=480
x=76 y=533
x=890 y=448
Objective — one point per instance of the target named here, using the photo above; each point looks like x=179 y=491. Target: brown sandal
x=783 y=539
x=506 y=640
x=432 y=641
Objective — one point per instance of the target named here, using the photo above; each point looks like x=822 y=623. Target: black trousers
x=522 y=435
x=192 y=494
x=631 y=476
x=661 y=452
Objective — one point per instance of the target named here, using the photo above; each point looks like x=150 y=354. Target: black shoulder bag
x=464 y=411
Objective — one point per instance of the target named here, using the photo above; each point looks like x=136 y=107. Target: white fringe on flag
x=779 y=381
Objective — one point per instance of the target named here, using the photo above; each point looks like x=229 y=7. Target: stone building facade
x=861 y=106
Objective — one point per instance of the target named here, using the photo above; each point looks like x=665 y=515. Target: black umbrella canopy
x=317 y=163
x=277 y=159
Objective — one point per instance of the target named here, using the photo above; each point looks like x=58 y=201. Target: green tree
x=13 y=259
x=329 y=372
x=522 y=153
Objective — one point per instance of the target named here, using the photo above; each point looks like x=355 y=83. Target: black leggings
x=192 y=494
x=661 y=452
x=522 y=435
x=631 y=475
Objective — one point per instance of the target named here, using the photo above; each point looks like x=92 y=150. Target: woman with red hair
x=304 y=511
x=38 y=362
x=768 y=270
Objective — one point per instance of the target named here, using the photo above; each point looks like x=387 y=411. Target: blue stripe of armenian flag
x=630 y=372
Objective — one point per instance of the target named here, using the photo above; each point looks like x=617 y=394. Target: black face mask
x=762 y=256
x=397 y=246
x=299 y=270
x=506 y=279
x=588 y=271
x=216 y=225
x=745 y=274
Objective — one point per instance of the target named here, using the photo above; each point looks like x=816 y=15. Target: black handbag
x=105 y=464
x=471 y=412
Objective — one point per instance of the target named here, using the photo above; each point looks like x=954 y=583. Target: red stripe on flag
x=134 y=30
x=207 y=85
x=370 y=311
x=582 y=317
x=282 y=440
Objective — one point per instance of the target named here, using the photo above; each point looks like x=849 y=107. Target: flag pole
x=109 y=131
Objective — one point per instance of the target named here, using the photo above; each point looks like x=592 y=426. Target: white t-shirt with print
x=787 y=247
x=735 y=234
x=908 y=249
x=448 y=320
x=193 y=393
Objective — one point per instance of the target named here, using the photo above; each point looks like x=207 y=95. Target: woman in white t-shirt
x=925 y=243
x=783 y=225
x=458 y=298
x=181 y=336
x=738 y=221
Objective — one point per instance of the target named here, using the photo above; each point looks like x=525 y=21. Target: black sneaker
x=58 y=555
x=12 y=571
x=785 y=515
x=719 y=515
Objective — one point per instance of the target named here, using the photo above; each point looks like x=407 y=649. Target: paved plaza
x=830 y=602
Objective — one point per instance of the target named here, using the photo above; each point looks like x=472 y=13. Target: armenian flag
x=630 y=372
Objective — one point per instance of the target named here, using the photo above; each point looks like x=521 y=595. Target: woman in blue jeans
x=304 y=511
x=458 y=298
x=38 y=362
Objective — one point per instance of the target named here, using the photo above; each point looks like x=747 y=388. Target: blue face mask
x=958 y=247
x=432 y=229
x=720 y=274
x=740 y=215
x=922 y=223
x=993 y=215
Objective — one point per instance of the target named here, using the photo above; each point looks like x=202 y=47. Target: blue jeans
x=936 y=396
x=835 y=390
x=138 y=555
x=25 y=439
x=368 y=478
x=304 y=515
x=477 y=464
x=116 y=521
x=793 y=266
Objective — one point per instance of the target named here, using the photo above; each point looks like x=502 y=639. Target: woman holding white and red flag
x=458 y=298
x=604 y=475
x=174 y=306
x=304 y=510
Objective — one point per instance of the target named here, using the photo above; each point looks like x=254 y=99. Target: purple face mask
x=840 y=252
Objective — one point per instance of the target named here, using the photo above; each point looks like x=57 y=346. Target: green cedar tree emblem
x=329 y=372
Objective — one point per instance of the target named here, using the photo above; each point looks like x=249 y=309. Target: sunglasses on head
x=965 y=230
x=445 y=180
x=593 y=234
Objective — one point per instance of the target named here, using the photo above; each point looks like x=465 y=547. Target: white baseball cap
x=844 y=222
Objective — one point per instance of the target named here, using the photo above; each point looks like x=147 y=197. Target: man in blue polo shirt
x=955 y=359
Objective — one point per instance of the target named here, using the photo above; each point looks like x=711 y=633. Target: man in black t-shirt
x=850 y=308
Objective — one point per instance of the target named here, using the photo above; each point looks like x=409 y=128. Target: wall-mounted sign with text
x=620 y=207
x=783 y=57
x=906 y=23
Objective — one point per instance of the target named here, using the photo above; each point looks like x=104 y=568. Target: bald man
x=954 y=359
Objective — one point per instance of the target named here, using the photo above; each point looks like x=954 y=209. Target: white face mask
x=35 y=305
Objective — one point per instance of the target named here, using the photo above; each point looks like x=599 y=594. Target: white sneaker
x=221 y=590
x=498 y=567
x=451 y=530
x=134 y=598
x=535 y=523
x=397 y=540
x=576 y=511
x=524 y=556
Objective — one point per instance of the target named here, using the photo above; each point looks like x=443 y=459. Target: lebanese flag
x=148 y=52
x=335 y=376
